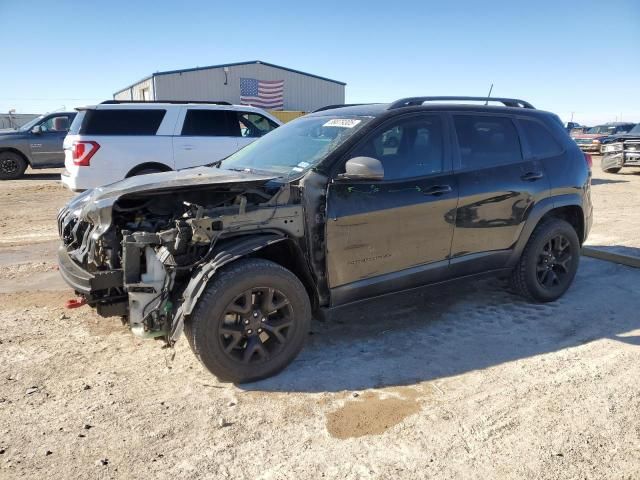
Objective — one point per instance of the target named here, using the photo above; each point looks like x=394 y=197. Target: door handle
x=438 y=190
x=187 y=147
x=532 y=176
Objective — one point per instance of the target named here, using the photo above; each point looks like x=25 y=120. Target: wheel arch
x=17 y=152
x=275 y=247
x=288 y=254
x=564 y=207
x=148 y=165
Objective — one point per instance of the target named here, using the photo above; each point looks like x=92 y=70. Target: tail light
x=589 y=160
x=81 y=152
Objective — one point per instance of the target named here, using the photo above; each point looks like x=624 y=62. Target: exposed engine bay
x=134 y=255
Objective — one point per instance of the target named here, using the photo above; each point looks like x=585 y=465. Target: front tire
x=251 y=321
x=548 y=263
x=12 y=166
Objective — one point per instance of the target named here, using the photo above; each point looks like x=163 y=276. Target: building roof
x=222 y=65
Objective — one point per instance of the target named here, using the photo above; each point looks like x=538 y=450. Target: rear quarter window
x=539 y=140
x=74 y=129
x=121 y=122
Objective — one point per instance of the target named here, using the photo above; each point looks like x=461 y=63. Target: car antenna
x=489 y=94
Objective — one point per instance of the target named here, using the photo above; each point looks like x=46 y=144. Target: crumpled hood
x=96 y=204
x=170 y=180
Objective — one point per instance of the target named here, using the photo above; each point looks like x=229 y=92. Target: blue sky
x=563 y=56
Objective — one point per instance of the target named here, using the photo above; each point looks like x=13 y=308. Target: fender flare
x=543 y=207
x=230 y=252
x=17 y=151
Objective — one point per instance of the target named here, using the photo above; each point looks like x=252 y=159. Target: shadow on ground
x=618 y=249
x=605 y=181
x=30 y=175
x=435 y=333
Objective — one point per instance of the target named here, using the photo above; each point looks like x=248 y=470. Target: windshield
x=635 y=130
x=296 y=146
x=609 y=129
x=602 y=129
x=29 y=125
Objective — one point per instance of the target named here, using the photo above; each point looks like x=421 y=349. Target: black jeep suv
x=338 y=206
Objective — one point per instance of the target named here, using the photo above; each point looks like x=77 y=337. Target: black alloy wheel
x=554 y=262
x=250 y=322
x=12 y=166
x=549 y=261
x=256 y=325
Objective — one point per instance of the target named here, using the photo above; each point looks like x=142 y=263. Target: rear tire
x=12 y=166
x=548 y=263
x=251 y=321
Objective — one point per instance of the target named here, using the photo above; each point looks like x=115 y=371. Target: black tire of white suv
x=251 y=321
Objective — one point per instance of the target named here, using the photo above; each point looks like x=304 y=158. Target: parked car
x=621 y=151
x=323 y=212
x=574 y=128
x=577 y=131
x=37 y=144
x=116 y=140
x=591 y=140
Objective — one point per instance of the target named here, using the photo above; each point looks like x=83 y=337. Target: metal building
x=15 y=120
x=229 y=82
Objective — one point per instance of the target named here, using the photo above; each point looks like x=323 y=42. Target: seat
x=61 y=124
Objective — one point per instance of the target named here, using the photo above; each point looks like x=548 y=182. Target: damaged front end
x=144 y=249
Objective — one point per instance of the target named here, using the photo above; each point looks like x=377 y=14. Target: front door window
x=59 y=124
x=407 y=149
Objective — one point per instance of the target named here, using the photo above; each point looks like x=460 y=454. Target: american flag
x=262 y=93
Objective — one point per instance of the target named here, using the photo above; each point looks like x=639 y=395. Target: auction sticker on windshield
x=342 y=122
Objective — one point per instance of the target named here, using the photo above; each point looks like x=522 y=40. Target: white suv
x=115 y=140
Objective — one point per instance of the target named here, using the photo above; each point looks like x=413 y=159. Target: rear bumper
x=77 y=183
x=71 y=182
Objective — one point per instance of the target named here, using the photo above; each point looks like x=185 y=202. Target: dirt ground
x=466 y=382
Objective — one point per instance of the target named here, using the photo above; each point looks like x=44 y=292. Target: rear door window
x=210 y=123
x=539 y=140
x=485 y=141
x=122 y=122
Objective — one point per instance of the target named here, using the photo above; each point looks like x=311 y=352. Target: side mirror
x=37 y=130
x=363 y=168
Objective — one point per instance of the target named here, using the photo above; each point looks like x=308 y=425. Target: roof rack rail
x=331 y=107
x=115 y=102
x=413 y=101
